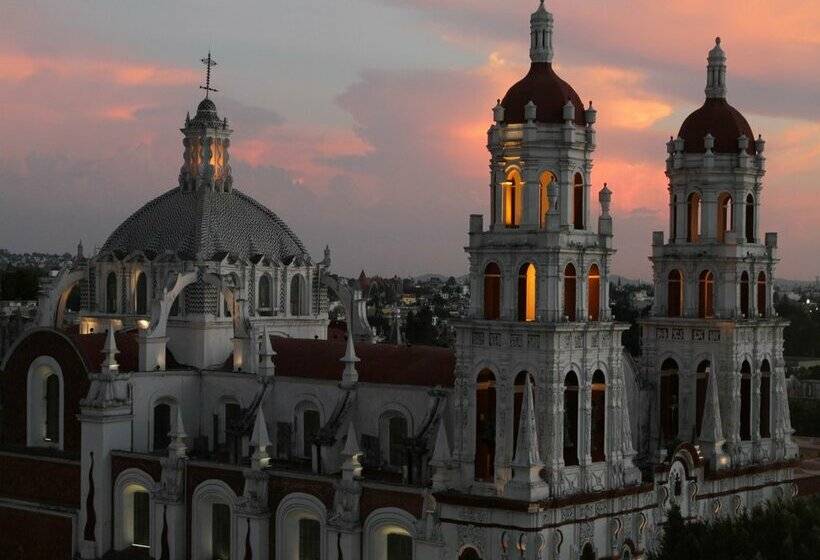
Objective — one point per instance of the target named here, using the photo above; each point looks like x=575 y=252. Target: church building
x=198 y=408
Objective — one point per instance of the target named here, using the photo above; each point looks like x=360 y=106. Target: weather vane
x=209 y=63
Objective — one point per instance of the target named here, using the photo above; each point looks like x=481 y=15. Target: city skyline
x=372 y=137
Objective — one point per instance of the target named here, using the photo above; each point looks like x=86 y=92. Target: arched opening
x=765 y=398
x=598 y=418
x=701 y=383
x=745 y=401
x=162 y=426
x=45 y=409
x=744 y=294
x=265 y=307
x=724 y=215
x=588 y=553
x=761 y=294
x=669 y=400
x=527 y=283
x=594 y=289
x=393 y=433
x=513 y=194
x=569 y=292
x=311 y=424
x=706 y=295
x=750 y=219
x=142 y=294
x=492 y=291
x=693 y=209
x=221 y=531
x=578 y=202
x=310 y=539
x=485 y=426
x=469 y=553
x=399 y=546
x=547 y=178
x=571 y=419
x=111 y=293
x=52 y=408
x=674 y=232
x=518 y=401
x=297 y=295
x=141 y=518
x=674 y=287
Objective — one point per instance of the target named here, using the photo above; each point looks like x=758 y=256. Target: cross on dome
x=209 y=63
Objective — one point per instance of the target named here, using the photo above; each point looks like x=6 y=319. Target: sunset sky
x=363 y=123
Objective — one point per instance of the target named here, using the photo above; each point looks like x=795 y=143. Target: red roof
x=427 y=366
x=548 y=91
x=91 y=348
x=722 y=121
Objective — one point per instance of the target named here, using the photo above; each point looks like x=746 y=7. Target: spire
x=266 y=365
x=541 y=35
x=350 y=376
x=711 y=431
x=178 y=448
x=110 y=365
x=260 y=440
x=716 y=73
x=441 y=458
x=351 y=466
x=526 y=482
x=80 y=250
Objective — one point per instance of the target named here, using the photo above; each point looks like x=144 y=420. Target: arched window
x=141 y=515
x=399 y=546
x=547 y=179
x=761 y=294
x=701 y=383
x=311 y=424
x=310 y=539
x=724 y=215
x=674 y=288
x=162 y=426
x=745 y=401
x=750 y=219
x=598 y=418
x=588 y=553
x=693 y=217
x=111 y=293
x=706 y=295
x=571 y=419
x=393 y=433
x=526 y=292
x=578 y=202
x=297 y=295
x=221 y=531
x=594 y=289
x=569 y=292
x=265 y=307
x=765 y=398
x=669 y=400
x=469 y=554
x=513 y=195
x=674 y=217
x=52 y=408
x=744 y=294
x=518 y=401
x=485 y=426
x=142 y=294
x=492 y=291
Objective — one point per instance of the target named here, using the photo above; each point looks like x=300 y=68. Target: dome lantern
x=541 y=25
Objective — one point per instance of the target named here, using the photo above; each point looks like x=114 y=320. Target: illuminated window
x=706 y=295
x=546 y=180
x=744 y=294
x=571 y=419
x=675 y=293
x=492 y=291
x=765 y=398
x=399 y=546
x=724 y=215
x=513 y=197
x=485 y=427
x=597 y=434
x=693 y=209
x=745 y=401
x=669 y=400
x=750 y=219
x=578 y=202
x=569 y=292
x=526 y=292
x=701 y=383
x=594 y=288
x=761 y=294
x=142 y=294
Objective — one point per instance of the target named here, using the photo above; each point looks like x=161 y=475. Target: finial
x=349 y=376
x=717 y=41
x=260 y=440
x=110 y=365
x=209 y=63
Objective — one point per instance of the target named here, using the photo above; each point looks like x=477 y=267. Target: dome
x=206 y=105
x=722 y=121
x=548 y=91
x=206 y=225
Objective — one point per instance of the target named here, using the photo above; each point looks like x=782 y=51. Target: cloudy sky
x=363 y=122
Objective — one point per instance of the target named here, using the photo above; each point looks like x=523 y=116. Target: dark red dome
x=722 y=121
x=549 y=92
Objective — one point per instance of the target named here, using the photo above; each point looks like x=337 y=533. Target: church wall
x=62 y=475
x=36 y=534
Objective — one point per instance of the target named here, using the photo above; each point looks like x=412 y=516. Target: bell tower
x=713 y=321
x=539 y=327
